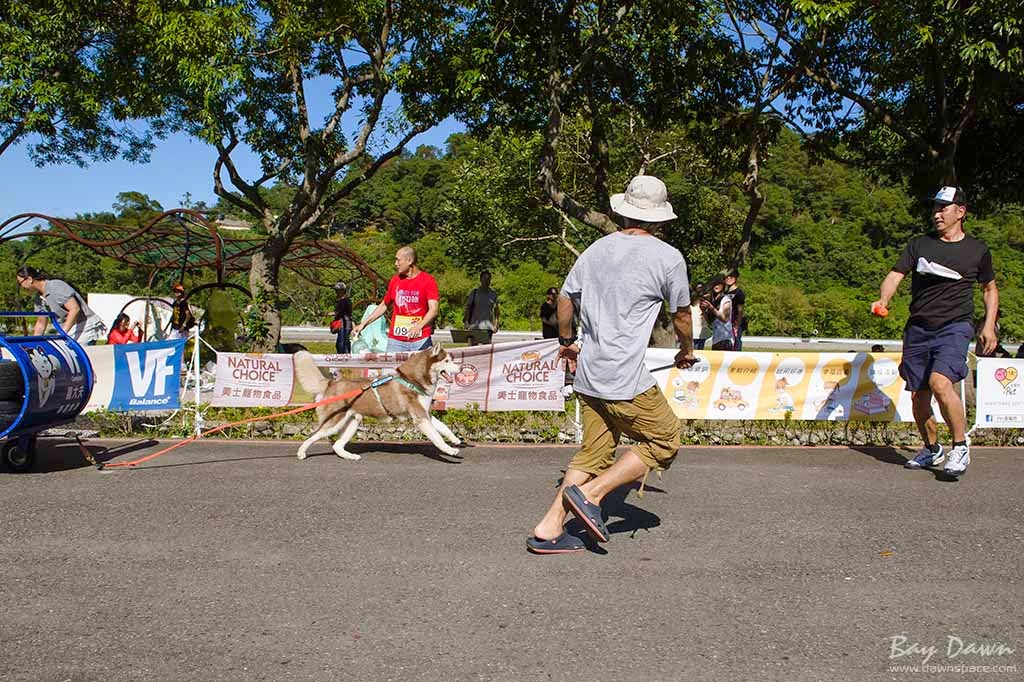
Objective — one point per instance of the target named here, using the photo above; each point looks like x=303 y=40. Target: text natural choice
x=254 y=369
x=528 y=372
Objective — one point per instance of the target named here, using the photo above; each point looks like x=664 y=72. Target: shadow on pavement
x=426 y=449
x=890 y=455
x=885 y=454
x=632 y=518
x=60 y=454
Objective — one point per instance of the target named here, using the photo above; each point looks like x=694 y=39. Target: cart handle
x=34 y=313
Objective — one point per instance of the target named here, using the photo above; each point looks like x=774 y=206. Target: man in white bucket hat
x=619 y=285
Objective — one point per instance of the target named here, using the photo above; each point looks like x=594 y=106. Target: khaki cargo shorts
x=647 y=420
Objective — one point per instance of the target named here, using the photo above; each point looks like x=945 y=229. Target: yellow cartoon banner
x=814 y=386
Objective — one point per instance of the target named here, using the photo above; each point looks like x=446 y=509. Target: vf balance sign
x=147 y=376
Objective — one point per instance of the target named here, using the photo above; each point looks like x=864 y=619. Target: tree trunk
x=263 y=321
x=663 y=335
x=947 y=166
x=751 y=186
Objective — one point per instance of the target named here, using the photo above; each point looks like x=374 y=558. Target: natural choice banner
x=500 y=377
x=252 y=380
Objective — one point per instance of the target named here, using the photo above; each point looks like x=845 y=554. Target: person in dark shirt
x=979 y=346
x=342 y=324
x=549 y=315
x=945 y=266
x=182 y=319
x=739 y=303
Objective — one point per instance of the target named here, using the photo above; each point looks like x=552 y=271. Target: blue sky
x=178 y=165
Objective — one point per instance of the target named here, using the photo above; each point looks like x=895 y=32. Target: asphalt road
x=235 y=561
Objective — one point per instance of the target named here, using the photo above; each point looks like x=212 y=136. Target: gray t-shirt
x=58 y=292
x=618 y=285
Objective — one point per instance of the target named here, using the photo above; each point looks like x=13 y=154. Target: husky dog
x=406 y=396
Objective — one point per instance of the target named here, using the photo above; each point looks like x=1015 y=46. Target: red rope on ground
x=333 y=399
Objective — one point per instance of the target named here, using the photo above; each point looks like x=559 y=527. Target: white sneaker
x=959 y=458
x=926 y=458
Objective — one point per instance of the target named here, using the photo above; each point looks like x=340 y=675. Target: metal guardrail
x=782 y=343
x=323 y=334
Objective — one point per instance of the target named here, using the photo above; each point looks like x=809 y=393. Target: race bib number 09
x=403 y=322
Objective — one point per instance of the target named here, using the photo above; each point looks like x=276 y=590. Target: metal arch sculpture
x=183 y=239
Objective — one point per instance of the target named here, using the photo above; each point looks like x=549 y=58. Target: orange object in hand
x=880 y=310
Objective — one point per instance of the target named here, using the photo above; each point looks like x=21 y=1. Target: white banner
x=498 y=377
x=508 y=376
x=253 y=379
x=1000 y=394
x=102 y=359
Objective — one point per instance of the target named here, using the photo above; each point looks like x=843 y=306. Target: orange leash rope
x=333 y=399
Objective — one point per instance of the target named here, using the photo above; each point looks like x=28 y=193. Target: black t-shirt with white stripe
x=944 y=274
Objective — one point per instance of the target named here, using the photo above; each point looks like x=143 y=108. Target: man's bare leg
x=551 y=526
x=626 y=469
x=950 y=405
x=924 y=417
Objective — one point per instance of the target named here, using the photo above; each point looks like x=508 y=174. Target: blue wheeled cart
x=45 y=381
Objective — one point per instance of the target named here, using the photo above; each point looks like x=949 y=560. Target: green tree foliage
x=56 y=71
x=497 y=214
x=80 y=79
x=931 y=89
x=495 y=211
x=405 y=201
x=543 y=65
x=827 y=236
x=384 y=66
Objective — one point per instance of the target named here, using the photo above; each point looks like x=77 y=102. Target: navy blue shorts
x=943 y=350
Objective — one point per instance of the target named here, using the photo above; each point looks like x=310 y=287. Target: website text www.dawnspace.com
x=959 y=656
x=954 y=668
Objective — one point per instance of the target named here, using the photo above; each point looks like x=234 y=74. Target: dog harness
x=380 y=381
x=394 y=377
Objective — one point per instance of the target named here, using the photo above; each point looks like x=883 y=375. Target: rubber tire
x=18 y=460
x=9 y=411
x=12 y=385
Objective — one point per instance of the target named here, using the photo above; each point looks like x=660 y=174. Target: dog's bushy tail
x=309 y=375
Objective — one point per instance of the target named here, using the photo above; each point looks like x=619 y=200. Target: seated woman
x=123 y=333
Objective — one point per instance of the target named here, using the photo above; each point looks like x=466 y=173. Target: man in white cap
x=619 y=285
x=945 y=264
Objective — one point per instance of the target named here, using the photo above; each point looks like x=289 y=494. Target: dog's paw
x=451 y=452
x=300 y=454
x=345 y=454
